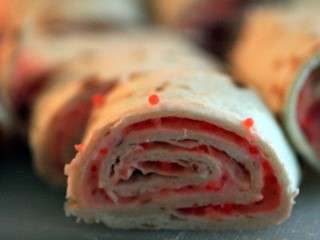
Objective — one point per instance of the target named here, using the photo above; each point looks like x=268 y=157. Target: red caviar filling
x=308 y=111
x=97 y=100
x=153 y=99
x=248 y=123
x=271 y=190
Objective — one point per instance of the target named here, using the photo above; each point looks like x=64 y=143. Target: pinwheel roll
x=38 y=51
x=30 y=65
x=278 y=54
x=87 y=16
x=82 y=84
x=213 y=24
x=182 y=149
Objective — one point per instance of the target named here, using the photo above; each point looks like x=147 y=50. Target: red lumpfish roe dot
x=78 y=147
x=211 y=186
x=153 y=99
x=248 y=123
x=253 y=150
x=103 y=151
x=97 y=100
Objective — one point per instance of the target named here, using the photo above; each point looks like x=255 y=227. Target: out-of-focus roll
x=35 y=61
x=35 y=51
x=182 y=149
x=81 y=84
x=87 y=16
x=213 y=24
x=278 y=54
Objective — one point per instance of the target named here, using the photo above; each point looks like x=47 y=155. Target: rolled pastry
x=38 y=52
x=82 y=15
x=278 y=54
x=30 y=66
x=212 y=23
x=35 y=60
x=182 y=149
x=83 y=83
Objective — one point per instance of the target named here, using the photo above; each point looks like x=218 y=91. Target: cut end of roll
x=179 y=176
x=172 y=167
x=302 y=115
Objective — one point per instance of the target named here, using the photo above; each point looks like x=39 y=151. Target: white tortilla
x=207 y=96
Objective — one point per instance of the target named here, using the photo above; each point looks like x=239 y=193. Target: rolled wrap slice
x=182 y=149
x=87 y=16
x=39 y=51
x=37 y=60
x=278 y=54
x=32 y=61
x=86 y=80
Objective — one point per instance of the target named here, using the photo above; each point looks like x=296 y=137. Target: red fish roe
x=212 y=186
x=253 y=150
x=103 y=151
x=153 y=99
x=271 y=190
x=248 y=123
x=78 y=147
x=97 y=100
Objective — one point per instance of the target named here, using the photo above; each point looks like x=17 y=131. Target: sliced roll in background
x=182 y=148
x=278 y=54
x=5 y=125
x=82 y=83
x=71 y=16
x=214 y=24
x=37 y=51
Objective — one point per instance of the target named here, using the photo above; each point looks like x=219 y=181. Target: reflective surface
x=29 y=209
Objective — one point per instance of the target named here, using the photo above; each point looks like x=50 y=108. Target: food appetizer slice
x=278 y=54
x=37 y=52
x=62 y=111
x=182 y=149
x=32 y=63
x=35 y=63
x=87 y=16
